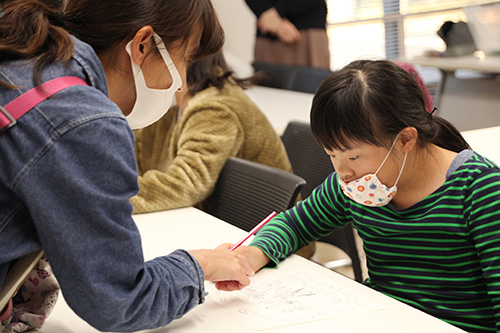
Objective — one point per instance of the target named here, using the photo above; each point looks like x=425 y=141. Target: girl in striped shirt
x=426 y=206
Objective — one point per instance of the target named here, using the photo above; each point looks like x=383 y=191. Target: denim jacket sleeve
x=78 y=190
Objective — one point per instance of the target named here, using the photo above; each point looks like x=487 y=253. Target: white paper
x=293 y=298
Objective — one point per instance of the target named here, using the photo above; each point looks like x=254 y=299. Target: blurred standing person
x=291 y=32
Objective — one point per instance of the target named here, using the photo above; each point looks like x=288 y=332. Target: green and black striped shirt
x=441 y=255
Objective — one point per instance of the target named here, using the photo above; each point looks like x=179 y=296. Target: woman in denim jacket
x=67 y=167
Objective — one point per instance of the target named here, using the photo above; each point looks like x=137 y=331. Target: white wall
x=239 y=26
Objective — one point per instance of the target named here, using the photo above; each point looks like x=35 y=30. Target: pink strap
x=15 y=109
x=6 y=312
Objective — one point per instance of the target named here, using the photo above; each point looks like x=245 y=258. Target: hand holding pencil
x=254 y=256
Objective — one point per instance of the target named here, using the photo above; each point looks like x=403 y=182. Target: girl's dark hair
x=372 y=100
x=213 y=71
x=40 y=29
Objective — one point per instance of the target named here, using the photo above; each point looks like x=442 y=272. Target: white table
x=485 y=141
x=487 y=64
x=190 y=228
x=448 y=66
x=281 y=106
x=470 y=100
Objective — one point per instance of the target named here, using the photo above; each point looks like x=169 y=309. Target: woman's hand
x=288 y=33
x=253 y=255
x=270 y=21
x=229 y=270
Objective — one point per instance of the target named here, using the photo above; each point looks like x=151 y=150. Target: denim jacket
x=67 y=172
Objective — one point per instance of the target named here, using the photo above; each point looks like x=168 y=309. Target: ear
x=408 y=138
x=142 y=43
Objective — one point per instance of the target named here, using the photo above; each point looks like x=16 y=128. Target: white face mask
x=368 y=190
x=151 y=104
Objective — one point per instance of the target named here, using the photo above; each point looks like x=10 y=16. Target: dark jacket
x=304 y=14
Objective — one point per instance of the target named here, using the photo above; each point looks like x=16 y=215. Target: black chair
x=289 y=77
x=272 y=75
x=310 y=162
x=306 y=79
x=246 y=192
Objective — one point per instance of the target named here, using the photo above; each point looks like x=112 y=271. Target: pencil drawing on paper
x=293 y=298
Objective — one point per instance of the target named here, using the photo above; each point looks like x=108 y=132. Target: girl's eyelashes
x=352 y=158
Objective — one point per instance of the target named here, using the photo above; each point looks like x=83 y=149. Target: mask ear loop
x=167 y=59
x=401 y=171
x=387 y=156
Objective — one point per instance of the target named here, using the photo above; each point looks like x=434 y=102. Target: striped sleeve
x=312 y=218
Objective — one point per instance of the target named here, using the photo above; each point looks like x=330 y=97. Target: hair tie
x=432 y=112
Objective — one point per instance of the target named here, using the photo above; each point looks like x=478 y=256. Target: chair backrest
x=306 y=79
x=310 y=162
x=290 y=77
x=246 y=192
x=272 y=75
x=308 y=159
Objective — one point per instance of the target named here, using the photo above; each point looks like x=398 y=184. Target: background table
x=190 y=228
x=467 y=103
x=485 y=141
x=488 y=64
x=470 y=100
x=281 y=106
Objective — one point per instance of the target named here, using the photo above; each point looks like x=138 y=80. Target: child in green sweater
x=426 y=206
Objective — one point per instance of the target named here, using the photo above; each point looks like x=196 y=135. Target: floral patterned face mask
x=368 y=190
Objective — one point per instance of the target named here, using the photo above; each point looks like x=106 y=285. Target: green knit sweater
x=180 y=157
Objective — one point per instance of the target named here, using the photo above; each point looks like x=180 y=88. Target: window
x=390 y=29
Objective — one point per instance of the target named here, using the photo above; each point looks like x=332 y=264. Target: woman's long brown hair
x=41 y=30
